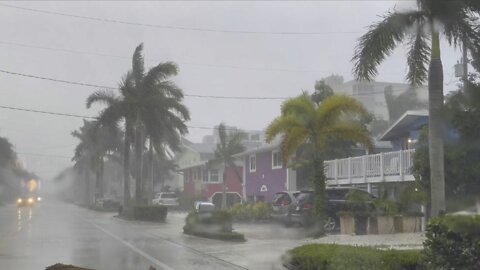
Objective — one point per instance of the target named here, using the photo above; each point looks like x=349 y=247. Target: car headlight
x=19 y=200
x=39 y=198
x=30 y=200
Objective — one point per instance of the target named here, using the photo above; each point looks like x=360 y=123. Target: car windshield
x=342 y=134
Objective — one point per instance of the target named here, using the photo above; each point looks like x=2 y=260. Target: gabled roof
x=261 y=148
x=408 y=121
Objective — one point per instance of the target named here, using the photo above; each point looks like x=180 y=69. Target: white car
x=166 y=199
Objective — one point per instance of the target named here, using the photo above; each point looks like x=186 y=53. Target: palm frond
x=106 y=97
x=418 y=59
x=138 y=65
x=379 y=42
x=348 y=131
x=300 y=105
x=291 y=141
x=159 y=73
x=280 y=125
x=333 y=107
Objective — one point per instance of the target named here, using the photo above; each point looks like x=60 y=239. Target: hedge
x=339 y=257
x=216 y=225
x=250 y=212
x=150 y=213
x=453 y=242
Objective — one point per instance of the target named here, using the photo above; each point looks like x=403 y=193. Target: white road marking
x=134 y=248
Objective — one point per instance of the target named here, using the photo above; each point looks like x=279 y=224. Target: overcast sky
x=210 y=63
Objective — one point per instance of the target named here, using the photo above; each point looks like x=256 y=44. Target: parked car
x=166 y=198
x=302 y=209
x=282 y=204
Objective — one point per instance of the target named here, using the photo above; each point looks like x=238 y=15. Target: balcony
x=377 y=168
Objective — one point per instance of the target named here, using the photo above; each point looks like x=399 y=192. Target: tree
x=322 y=91
x=458 y=22
x=303 y=122
x=151 y=106
x=229 y=145
x=90 y=153
x=398 y=105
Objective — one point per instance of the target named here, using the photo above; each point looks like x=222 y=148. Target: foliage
x=398 y=105
x=338 y=257
x=229 y=145
x=216 y=225
x=250 y=212
x=151 y=106
x=453 y=242
x=304 y=123
x=150 y=212
x=322 y=91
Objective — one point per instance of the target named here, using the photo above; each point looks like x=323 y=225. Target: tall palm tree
x=305 y=122
x=458 y=22
x=229 y=145
x=151 y=106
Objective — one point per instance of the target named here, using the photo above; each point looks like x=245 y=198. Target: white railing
x=390 y=166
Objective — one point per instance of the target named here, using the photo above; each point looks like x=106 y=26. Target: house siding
x=274 y=179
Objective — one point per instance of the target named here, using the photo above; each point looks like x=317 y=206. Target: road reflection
x=22 y=214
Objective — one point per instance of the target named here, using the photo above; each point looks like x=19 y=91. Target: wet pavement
x=53 y=232
x=49 y=233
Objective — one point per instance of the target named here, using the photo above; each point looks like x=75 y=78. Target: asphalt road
x=52 y=232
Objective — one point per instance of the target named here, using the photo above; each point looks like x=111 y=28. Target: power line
x=187 y=95
x=183 y=63
x=42 y=155
x=115 y=88
x=182 y=28
x=83 y=116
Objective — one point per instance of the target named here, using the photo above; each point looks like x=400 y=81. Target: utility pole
x=465 y=63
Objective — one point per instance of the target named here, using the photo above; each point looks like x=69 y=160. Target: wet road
x=49 y=233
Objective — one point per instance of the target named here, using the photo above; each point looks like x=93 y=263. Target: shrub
x=338 y=257
x=150 y=213
x=216 y=225
x=453 y=242
x=249 y=212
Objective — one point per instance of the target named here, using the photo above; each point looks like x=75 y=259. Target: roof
x=408 y=121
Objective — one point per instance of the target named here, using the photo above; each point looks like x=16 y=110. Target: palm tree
x=304 y=122
x=96 y=143
x=229 y=145
x=458 y=22
x=151 y=106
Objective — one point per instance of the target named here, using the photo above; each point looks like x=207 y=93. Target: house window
x=253 y=163
x=205 y=175
x=276 y=160
x=213 y=177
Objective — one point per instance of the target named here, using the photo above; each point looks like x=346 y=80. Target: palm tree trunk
x=102 y=168
x=151 y=191
x=126 y=164
x=224 y=191
x=87 y=185
x=97 y=179
x=138 y=160
x=319 y=188
x=436 y=129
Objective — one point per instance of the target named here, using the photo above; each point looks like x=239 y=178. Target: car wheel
x=330 y=224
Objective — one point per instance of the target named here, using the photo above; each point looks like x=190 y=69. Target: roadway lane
x=50 y=232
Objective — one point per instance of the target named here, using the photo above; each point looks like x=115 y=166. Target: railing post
x=335 y=166
x=364 y=166
x=350 y=170
x=400 y=165
x=381 y=167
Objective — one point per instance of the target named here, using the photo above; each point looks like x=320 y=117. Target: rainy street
x=53 y=232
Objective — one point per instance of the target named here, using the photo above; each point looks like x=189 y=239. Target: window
x=276 y=160
x=213 y=176
x=204 y=175
x=253 y=163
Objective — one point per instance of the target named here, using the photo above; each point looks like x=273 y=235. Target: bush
x=453 y=242
x=338 y=257
x=216 y=225
x=150 y=213
x=250 y=212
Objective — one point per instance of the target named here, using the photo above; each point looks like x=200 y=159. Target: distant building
x=372 y=94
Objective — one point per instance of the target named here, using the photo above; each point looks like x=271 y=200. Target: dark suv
x=302 y=210
x=282 y=205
